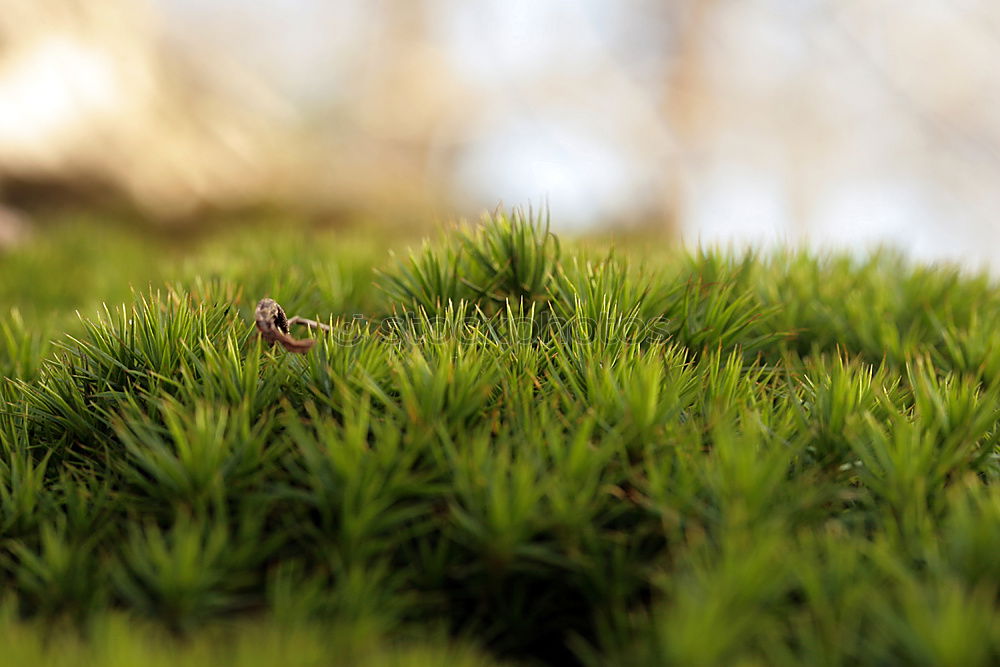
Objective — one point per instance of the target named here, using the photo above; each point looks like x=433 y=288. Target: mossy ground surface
x=509 y=449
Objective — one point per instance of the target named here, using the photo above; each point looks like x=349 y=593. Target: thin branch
x=312 y=324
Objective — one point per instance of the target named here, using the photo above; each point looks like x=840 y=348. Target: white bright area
x=833 y=123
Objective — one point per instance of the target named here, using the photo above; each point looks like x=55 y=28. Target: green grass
x=509 y=449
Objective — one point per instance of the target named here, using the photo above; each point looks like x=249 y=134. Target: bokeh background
x=830 y=123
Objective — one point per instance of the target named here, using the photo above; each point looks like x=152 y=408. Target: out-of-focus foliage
x=825 y=121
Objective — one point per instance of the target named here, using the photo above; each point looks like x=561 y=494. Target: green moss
x=547 y=450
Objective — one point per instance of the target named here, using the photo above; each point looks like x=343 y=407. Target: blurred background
x=830 y=123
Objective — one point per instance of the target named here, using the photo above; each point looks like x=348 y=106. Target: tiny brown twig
x=312 y=324
x=273 y=326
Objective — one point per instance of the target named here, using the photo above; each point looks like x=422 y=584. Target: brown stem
x=312 y=324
